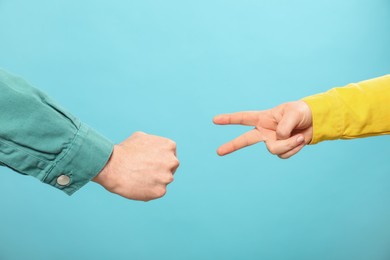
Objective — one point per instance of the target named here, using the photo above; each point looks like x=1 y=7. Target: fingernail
x=300 y=139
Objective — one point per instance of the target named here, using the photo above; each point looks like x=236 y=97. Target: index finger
x=249 y=118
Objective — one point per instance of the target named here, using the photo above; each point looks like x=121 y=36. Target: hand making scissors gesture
x=285 y=129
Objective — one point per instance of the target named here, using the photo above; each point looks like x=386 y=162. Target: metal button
x=63 y=180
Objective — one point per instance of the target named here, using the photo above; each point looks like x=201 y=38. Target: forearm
x=40 y=139
x=356 y=110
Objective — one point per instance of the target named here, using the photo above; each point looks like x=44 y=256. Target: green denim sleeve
x=40 y=139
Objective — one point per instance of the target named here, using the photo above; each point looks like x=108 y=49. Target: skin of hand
x=285 y=129
x=140 y=168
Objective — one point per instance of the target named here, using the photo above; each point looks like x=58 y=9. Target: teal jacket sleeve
x=40 y=139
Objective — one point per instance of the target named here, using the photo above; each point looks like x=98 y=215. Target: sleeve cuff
x=326 y=116
x=80 y=162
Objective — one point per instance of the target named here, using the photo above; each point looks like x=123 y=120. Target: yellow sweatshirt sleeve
x=356 y=110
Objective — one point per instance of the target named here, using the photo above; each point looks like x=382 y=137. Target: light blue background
x=167 y=67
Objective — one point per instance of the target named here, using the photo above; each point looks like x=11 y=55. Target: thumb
x=287 y=124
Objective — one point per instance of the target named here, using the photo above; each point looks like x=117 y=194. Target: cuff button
x=63 y=180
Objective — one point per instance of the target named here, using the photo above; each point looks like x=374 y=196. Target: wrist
x=104 y=176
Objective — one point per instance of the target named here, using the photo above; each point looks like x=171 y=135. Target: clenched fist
x=140 y=168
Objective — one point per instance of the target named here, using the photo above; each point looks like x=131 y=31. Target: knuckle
x=271 y=149
x=148 y=196
x=160 y=192
x=282 y=133
x=170 y=178
x=176 y=163
x=165 y=178
x=284 y=157
x=172 y=144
